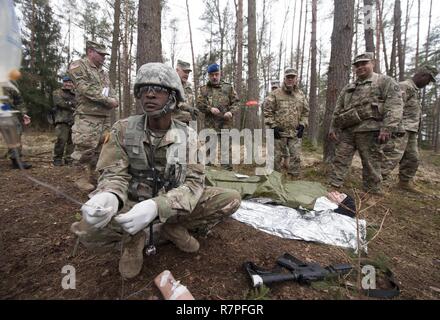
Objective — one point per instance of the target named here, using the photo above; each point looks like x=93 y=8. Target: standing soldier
x=403 y=145
x=186 y=111
x=134 y=162
x=15 y=103
x=64 y=101
x=367 y=112
x=274 y=84
x=95 y=100
x=286 y=111
x=218 y=101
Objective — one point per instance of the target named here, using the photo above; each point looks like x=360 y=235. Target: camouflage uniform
x=286 y=110
x=223 y=97
x=92 y=115
x=125 y=170
x=363 y=109
x=16 y=103
x=184 y=111
x=64 y=101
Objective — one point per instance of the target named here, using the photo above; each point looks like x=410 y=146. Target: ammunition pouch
x=347 y=119
x=359 y=113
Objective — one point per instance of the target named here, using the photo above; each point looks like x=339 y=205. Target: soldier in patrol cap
x=218 y=101
x=186 y=111
x=65 y=104
x=367 y=112
x=274 y=84
x=95 y=101
x=286 y=111
x=402 y=148
x=135 y=161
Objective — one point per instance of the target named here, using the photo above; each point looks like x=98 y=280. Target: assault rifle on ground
x=298 y=271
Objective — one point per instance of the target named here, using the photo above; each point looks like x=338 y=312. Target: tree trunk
x=400 y=54
x=340 y=65
x=418 y=38
x=293 y=32
x=368 y=25
x=378 y=37
x=239 y=36
x=407 y=18
x=396 y=21
x=114 y=53
x=428 y=37
x=299 y=37
x=313 y=116
x=382 y=32
x=149 y=46
x=126 y=63
x=304 y=42
x=195 y=71
x=253 y=86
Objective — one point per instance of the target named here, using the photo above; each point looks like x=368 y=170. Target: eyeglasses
x=154 y=89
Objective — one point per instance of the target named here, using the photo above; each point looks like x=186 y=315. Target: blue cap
x=213 y=68
x=66 y=78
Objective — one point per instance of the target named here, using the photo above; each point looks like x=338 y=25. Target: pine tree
x=41 y=62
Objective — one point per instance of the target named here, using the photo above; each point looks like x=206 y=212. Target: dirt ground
x=35 y=242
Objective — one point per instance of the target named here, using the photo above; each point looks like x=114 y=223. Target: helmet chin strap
x=168 y=107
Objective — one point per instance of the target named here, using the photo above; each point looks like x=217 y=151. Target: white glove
x=100 y=209
x=138 y=217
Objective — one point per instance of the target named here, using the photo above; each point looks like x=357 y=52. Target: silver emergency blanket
x=322 y=225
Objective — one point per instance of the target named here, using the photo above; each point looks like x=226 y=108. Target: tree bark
x=149 y=46
x=340 y=65
x=114 y=53
x=298 y=55
x=304 y=42
x=239 y=36
x=313 y=116
x=368 y=28
x=418 y=37
x=253 y=85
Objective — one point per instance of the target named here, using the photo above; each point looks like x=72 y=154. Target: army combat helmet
x=159 y=74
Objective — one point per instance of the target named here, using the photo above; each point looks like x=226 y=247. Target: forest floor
x=35 y=242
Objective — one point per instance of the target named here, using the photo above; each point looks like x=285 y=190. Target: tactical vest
x=370 y=106
x=146 y=178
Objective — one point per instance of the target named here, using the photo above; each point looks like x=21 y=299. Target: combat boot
x=57 y=162
x=408 y=186
x=16 y=164
x=84 y=185
x=132 y=258
x=180 y=236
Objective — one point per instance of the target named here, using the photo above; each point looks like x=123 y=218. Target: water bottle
x=10 y=42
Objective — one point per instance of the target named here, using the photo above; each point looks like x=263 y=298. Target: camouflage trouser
x=214 y=205
x=410 y=160
x=63 y=145
x=223 y=153
x=288 y=148
x=370 y=152
x=12 y=153
x=88 y=134
x=392 y=153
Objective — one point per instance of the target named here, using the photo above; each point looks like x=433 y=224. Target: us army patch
x=74 y=65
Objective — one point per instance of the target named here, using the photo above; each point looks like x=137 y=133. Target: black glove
x=276 y=132
x=300 y=131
